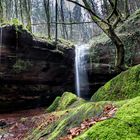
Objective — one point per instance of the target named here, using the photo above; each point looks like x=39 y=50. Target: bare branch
x=88 y=8
x=65 y=23
x=113 y=11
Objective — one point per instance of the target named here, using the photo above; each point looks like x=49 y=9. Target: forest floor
x=15 y=125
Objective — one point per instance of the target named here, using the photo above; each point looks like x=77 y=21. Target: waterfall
x=82 y=87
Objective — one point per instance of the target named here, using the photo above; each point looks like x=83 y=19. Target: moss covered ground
x=125 y=125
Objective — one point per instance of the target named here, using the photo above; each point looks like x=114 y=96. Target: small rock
x=2 y=123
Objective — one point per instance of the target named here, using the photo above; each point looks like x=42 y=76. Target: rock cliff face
x=33 y=71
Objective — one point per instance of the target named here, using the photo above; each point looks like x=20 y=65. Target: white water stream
x=82 y=87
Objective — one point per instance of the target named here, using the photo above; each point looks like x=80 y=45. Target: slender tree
x=47 y=12
x=56 y=20
x=21 y=10
x=126 y=8
x=62 y=4
x=1 y=12
x=27 y=7
x=109 y=29
x=16 y=8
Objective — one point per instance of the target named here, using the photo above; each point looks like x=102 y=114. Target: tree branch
x=65 y=23
x=113 y=11
x=87 y=7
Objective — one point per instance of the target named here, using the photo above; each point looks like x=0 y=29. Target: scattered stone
x=2 y=123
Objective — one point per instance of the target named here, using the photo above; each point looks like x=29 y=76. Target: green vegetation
x=124 y=125
x=21 y=66
x=54 y=105
x=66 y=100
x=125 y=86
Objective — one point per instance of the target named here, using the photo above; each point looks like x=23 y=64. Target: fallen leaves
x=15 y=126
x=108 y=112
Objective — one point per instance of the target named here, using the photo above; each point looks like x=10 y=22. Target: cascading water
x=82 y=87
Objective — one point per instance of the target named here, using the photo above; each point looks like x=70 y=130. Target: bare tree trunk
x=27 y=5
x=56 y=19
x=16 y=8
x=126 y=8
x=71 y=27
x=47 y=12
x=1 y=12
x=65 y=34
x=21 y=11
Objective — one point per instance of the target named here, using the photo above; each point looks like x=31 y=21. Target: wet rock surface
x=32 y=71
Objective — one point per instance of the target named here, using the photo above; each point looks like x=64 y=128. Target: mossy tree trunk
x=120 y=52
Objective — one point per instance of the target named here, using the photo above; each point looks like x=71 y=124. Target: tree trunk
x=16 y=8
x=21 y=11
x=27 y=4
x=47 y=12
x=56 y=19
x=120 y=52
x=1 y=12
x=65 y=34
x=126 y=8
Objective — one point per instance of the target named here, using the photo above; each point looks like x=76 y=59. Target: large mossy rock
x=125 y=86
x=63 y=103
x=123 y=126
x=125 y=123
x=70 y=111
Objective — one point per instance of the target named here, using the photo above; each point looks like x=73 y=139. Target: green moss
x=69 y=118
x=54 y=105
x=124 y=126
x=125 y=86
x=72 y=117
x=66 y=100
x=21 y=66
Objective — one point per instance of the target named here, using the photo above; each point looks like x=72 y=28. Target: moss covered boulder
x=125 y=86
x=124 y=125
x=70 y=112
x=63 y=103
